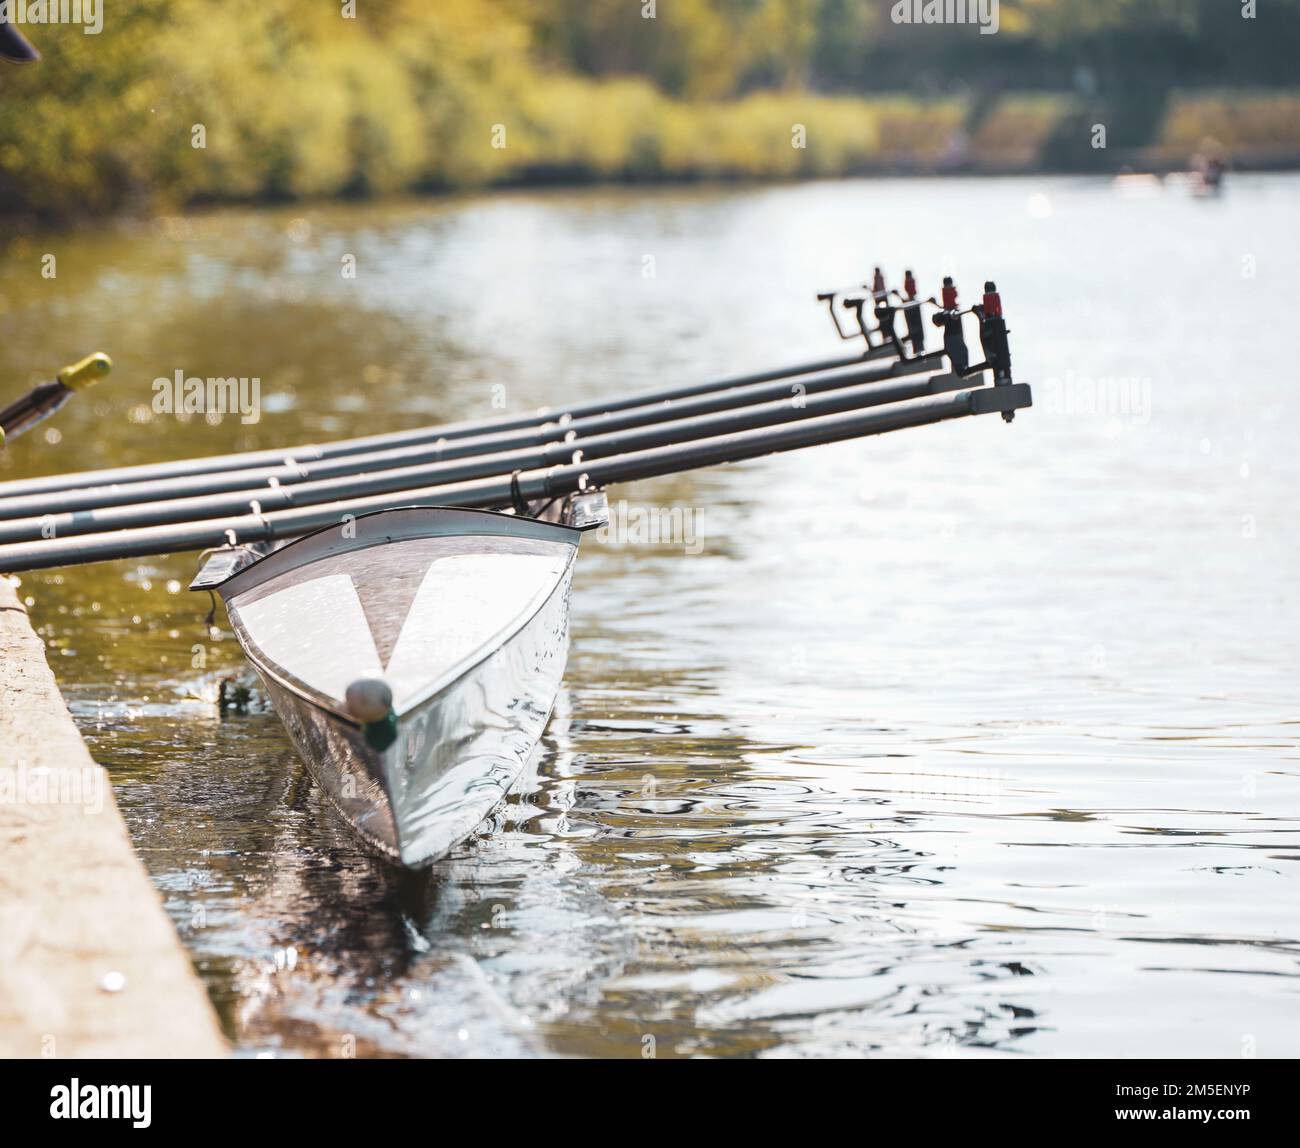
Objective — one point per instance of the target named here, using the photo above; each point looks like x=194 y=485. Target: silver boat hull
x=467 y=611
x=455 y=757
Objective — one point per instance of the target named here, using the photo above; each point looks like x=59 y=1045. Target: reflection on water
x=974 y=740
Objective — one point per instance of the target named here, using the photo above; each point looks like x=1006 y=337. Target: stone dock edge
x=90 y=965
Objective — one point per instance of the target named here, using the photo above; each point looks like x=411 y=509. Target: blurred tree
x=295 y=100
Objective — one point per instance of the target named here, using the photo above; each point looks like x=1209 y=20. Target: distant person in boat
x=1210 y=165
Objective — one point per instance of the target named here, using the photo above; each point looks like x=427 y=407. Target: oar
x=264 y=499
x=534 y=485
x=14 y=46
x=98 y=497
x=44 y=399
x=217 y=463
x=248 y=459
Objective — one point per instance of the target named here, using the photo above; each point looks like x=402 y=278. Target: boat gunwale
x=453 y=673
x=269 y=564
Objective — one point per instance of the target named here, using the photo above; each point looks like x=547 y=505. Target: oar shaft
x=270 y=478
x=619 y=441
x=215 y=464
x=34 y=407
x=802 y=433
x=532 y=485
x=45 y=399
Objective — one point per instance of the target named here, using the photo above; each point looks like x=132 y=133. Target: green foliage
x=287 y=99
x=293 y=100
x=1261 y=126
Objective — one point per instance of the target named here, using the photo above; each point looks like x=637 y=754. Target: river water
x=975 y=740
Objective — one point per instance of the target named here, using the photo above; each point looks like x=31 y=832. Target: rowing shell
x=414 y=656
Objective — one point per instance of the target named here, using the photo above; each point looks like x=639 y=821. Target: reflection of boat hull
x=460 y=731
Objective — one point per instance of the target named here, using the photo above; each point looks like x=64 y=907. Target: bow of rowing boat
x=414 y=656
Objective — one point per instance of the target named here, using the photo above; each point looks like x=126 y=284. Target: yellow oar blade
x=42 y=401
x=86 y=373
